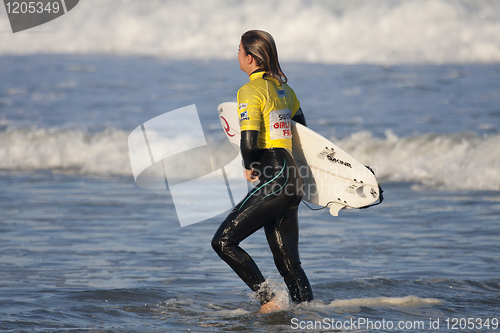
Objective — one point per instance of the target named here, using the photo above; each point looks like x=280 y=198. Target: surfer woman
x=266 y=105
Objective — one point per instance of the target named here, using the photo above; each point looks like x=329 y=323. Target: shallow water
x=84 y=249
x=100 y=254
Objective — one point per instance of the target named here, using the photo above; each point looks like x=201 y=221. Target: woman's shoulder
x=254 y=85
x=288 y=89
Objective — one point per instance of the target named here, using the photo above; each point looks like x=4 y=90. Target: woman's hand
x=250 y=175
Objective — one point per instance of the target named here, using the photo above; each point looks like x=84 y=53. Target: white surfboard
x=332 y=177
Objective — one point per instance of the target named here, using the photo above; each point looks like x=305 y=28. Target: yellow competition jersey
x=268 y=107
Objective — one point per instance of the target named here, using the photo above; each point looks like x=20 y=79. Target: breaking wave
x=345 y=31
x=444 y=161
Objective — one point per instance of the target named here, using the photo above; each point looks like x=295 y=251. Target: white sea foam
x=345 y=31
x=461 y=161
x=70 y=151
x=407 y=301
x=446 y=161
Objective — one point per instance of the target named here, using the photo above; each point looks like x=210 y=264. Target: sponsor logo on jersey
x=244 y=116
x=281 y=93
x=279 y=124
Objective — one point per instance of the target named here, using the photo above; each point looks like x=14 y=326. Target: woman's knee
x=221 y=243
x=217 y=243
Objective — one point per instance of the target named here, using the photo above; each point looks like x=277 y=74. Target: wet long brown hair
x=261 y=46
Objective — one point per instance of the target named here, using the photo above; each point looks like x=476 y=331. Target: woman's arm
x=249 y=152
x=299 y=117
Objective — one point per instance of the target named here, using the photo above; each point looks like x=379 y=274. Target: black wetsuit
x=271 y=204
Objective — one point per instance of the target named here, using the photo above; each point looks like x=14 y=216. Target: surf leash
x=320 y=208
x=380 y=198
x=380 y=191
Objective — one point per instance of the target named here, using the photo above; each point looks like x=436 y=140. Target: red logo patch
x=227 y=128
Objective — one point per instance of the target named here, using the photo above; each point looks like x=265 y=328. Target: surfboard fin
x=335 y=208
x=356 y=188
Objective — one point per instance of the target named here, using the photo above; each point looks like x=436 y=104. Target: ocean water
x=411 y=88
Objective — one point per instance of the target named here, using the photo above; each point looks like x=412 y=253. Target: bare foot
x=271 y=306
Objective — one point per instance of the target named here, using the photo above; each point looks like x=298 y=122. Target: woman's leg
x=283 y=239
x=250 y=215
x=272 y=204
x=226 y=242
